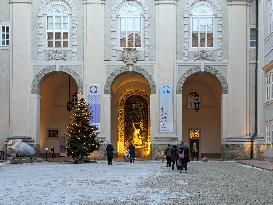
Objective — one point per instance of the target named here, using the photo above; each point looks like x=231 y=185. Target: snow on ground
x=146 y=182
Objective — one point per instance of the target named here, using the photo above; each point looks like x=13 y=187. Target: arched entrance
x=201 y=115
x=54 y=115
x=130 y=113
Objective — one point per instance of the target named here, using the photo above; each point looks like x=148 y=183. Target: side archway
x=36 y=83
x=210 y=70
x=117 y=72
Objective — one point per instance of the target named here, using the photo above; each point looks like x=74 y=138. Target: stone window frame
x=54 y=30
x=141 y=16
x=42 y=28
x=217 y=28
x=202 y=16
x=6 y=25
x=115 y=28
x=269 y=87
x=270 y=16
x=268 y=132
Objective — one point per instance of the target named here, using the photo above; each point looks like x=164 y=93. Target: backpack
x=169 y=152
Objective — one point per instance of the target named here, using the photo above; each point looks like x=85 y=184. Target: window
x=252 y=38
x=5 y=37
x=57 y=26
x=193 y=98
x=270 y=16
x=202 y=26
x=53 y=133
x=130 y=25
x=269 y=87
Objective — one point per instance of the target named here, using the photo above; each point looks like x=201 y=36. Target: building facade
x=265 y=137
x=154 y=72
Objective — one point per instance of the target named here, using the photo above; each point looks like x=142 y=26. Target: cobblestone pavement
x=147 y=182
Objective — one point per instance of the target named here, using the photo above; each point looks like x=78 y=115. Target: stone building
x=155 y=72
x=265 y=76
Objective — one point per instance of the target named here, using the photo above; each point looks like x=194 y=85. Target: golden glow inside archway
x=134 y=121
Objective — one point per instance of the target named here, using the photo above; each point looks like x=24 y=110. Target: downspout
x=254 y=135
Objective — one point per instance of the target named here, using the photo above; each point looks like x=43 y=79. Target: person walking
x=110 y=153
x=184 y=156
x=168 y=156
x=174 y=153
x=194 y=153
x=132 y=153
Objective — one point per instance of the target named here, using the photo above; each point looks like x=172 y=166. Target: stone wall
x=241 y=151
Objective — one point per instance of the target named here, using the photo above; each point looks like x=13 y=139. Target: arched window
x=130 y=25
x=57 y=26
x=202 y=26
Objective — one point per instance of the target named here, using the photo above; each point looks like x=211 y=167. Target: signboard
x=166 y=108
x=94 y=104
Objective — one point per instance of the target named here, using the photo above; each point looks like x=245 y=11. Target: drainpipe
x=254 y=135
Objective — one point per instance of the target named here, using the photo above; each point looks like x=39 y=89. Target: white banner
x=94 y=104
x=166 y=108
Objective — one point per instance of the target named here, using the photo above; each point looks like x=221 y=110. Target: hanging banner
x=94 y=104
x=166 y=108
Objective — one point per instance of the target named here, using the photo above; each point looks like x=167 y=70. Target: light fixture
x=196 y=105
x=69 y=104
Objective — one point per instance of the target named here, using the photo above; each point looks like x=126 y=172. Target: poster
x=94 y=104
x=166 y=108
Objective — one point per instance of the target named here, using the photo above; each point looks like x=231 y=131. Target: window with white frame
x=268 y=133
x=202 y=26
x=5 y=35
x=130 y=25
x=269 y=87
x=57 y=26
x=252 y=42
x=270 y=16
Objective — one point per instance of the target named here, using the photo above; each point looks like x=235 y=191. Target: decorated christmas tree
x=82 y=137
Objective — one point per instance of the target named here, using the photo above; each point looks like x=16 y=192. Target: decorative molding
x=197 y=69
x=218 y=29
x=129 y=56
x=115 y=27
x=56 y=55
x=204 y=55
x=36 y=83
x=124 y=69
x=73 y=26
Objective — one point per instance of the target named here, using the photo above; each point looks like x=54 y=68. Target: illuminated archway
x=130 y=96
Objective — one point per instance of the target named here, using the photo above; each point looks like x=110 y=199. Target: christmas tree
x=82 y=136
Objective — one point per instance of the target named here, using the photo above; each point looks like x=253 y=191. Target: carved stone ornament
x=204 y=55
x=129 y=56
x=56 y=55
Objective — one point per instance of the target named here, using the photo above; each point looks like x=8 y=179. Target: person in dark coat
x=110 y=153
x=184 y=157
x=174 y=153
x=168 y=158
x=132 y=153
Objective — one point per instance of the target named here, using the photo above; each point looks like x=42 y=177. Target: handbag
x=182 y=155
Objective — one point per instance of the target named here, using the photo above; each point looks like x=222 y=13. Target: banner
x=94 y=104
x=166 y=108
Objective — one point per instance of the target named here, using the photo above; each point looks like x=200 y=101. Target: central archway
x=130 y=113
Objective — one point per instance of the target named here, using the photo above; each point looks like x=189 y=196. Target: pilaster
x=21 y=67
x=237 y=100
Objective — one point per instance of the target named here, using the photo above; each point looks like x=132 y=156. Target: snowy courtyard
x=145 y=182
